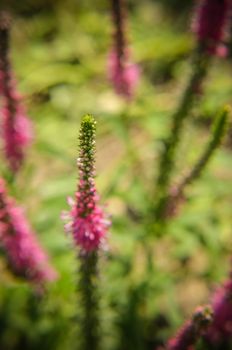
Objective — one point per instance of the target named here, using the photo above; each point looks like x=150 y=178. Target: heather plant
x=162 y=169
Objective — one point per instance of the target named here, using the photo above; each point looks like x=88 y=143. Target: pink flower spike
x=16 y=128
x=210 y=21
x=123 y=74
x=17 y=136
x=124 y=77
x=25 y=255
x=221 y=327
x=88 y=223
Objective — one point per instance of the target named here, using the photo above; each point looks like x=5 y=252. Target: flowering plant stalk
x=123 y=74
x=209 y=24
x=177 y=196
x=88 y=225
x=209 y=27
x=167 y=159
x=16 y=129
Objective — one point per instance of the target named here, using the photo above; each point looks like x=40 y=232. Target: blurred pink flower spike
x=16 y=129
x=123 y=75
x=221 y=327
x=209 y=24
x=17 y=136
x=25 y=255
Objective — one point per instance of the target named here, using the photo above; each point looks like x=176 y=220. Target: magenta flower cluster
x=221 y=327
x=88 y=223
x=16 y=128
x=25 y=255
x=210 y=23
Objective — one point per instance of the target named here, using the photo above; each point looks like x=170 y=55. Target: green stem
x=90 y=302
x=219 y=130
x=130 y=147
x=167 y=160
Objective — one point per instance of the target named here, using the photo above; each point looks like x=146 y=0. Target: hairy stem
x=167 y=160
x=218 y=132
x=90 y=303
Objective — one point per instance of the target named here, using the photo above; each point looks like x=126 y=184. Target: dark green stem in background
x=167 y=160
x=176 y=193
x=89 y=323
x=219 y=130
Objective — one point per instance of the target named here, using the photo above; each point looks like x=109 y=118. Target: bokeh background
x=59 y=53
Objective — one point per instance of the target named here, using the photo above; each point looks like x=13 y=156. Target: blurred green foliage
x=59 y=53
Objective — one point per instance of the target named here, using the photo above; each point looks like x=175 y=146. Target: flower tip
x=88 y=119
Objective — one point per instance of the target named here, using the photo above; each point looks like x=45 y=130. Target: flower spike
x=25 y=255
x=221 y=327
x=209 y=24
x=123 y=74
x=88 y=223
x=16 y=128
